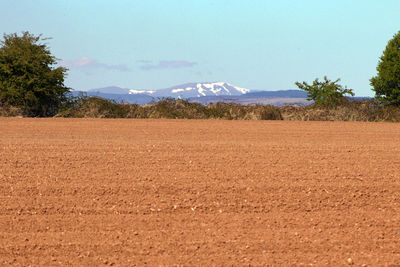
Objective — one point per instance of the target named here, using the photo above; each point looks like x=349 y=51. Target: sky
x=255 y=44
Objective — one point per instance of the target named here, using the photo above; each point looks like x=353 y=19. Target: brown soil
x=168 y=192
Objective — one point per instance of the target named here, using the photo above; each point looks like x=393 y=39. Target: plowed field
x=189 y=192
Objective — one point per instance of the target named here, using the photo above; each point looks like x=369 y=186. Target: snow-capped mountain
x=196 y=90
x=203 y=93
x=188 y=90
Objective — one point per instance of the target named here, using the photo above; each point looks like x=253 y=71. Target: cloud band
x=86 y=62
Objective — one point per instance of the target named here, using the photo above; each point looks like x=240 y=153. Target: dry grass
x=95 y=107
x=170 y=108
x=9 y=111
x=351 y=111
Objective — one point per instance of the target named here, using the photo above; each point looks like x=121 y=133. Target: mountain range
x=202 y=92
x=187 y=90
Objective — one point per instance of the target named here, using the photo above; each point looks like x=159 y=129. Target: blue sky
x=256 y=44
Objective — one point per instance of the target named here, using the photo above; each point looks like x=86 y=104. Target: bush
x=94 y=107
x=28 y=79
x=171 y=108
x=326 y=93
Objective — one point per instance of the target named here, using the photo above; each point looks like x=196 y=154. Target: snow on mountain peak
x=147 y=92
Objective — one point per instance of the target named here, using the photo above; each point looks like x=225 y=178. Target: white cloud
x=86 y=62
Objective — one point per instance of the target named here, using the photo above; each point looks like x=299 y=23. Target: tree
x=28 y=78
x=387 y=83
x=326 y=93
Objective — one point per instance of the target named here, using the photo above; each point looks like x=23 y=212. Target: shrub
x=95 y=107
x=28 y=79
x=326 y=93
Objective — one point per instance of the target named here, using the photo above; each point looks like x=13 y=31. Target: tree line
x=31 y=80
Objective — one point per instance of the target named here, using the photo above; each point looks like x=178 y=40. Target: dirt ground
x=190 y=192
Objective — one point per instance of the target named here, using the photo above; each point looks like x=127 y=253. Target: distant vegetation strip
x=169 y=108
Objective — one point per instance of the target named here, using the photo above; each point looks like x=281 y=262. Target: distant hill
x=277 y=98
x=110 y=90
x=281 y=93
x=139 y=99
x=202 y=92
x=277 y=101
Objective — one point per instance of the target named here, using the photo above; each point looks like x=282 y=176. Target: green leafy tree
x=387 y=83
x=28 y=78
x=326 y=93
